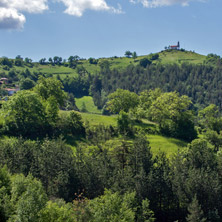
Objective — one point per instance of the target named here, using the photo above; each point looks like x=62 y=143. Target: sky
x=103 y=28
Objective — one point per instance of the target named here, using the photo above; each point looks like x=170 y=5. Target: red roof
x=11 y=89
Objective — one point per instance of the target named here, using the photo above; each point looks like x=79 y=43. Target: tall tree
x=195 y=212
x=122 y=100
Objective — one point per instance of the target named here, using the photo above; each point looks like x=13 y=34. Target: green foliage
x=124 y=124
x=25 y=115
x=92 y=60
x=195 y=212
x=134 y=55
x=173 y=115
x=57 y=212
x=145 y=62
x=69 y=124
x=50 y=87
x=28 y=199
x=27 y=84
x=5 y=188
x=51 y=161
x=56 y=165
x=112 y=207
x=128 y=54
x=209 y=118
x=122 y=100
x=146 y=98
x=214 y=138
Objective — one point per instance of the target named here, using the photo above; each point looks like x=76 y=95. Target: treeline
x=111 y=173
x=140 y=186
x=202 y=83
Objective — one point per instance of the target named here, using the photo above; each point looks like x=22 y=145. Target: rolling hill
x=165 y=57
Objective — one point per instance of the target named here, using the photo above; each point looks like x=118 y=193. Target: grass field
x=164 y=144
x=180 y=57
x=95 y=119
x=89 y=104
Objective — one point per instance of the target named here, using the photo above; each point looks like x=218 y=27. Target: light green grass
x=95 y=119
x=89 y=104
x=164 y=144
x=181 y=57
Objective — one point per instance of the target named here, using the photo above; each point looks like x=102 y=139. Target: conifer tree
x=195 y=212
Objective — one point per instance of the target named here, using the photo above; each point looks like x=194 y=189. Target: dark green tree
x=195 y=212
x=128 y=54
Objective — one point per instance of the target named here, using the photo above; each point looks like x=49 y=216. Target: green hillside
x=179 y=57
x=165 y=57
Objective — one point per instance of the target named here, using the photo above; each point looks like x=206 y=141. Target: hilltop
x=93 y=65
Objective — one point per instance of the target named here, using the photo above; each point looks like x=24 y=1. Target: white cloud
x=11 y=16
x=11 y=19
x=31 y=6
x=78 y=7
x=159 y=3
x=10 y=12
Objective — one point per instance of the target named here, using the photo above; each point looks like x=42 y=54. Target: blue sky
x=104 y=28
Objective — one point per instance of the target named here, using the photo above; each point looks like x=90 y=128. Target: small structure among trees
x=175 y=47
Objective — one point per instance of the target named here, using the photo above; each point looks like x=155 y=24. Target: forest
x=56 y=166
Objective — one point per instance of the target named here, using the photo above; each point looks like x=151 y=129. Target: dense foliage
x=54 y=167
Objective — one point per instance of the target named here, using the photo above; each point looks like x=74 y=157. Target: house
x=12 y=91
x=174 y=47
x=3 y=81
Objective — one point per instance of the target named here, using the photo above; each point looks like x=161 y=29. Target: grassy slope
x=89 y=104
x=164 y=144
x=158 y=143
x=119 y=63
x=181 y=57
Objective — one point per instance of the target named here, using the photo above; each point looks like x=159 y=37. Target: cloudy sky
x=103 y=28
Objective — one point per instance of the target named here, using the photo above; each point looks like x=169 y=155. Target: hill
x=63 y=69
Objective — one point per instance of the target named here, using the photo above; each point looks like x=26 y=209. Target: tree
x=57 y=211
x=209 y=118
x=28 y=60
x=124 y=124
x=134 y=55
x=5 y=189
x=104 y=65
x=42 y=61
x=57 y=169
x=57 y=60
x=28 y=199
x=195 y=212
x=24 y=114
x=18 y=60
x=50 y=61
x=145 y=214
x=73 y=60
x=145 y=62
x=146 y=98
x=6 y=62
x=112 y=207
x=27 y=84
x=92 y=61
x=214 y=138
x=50 y=87
x=128 y=54
x=174 y=116
x=122 y=100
